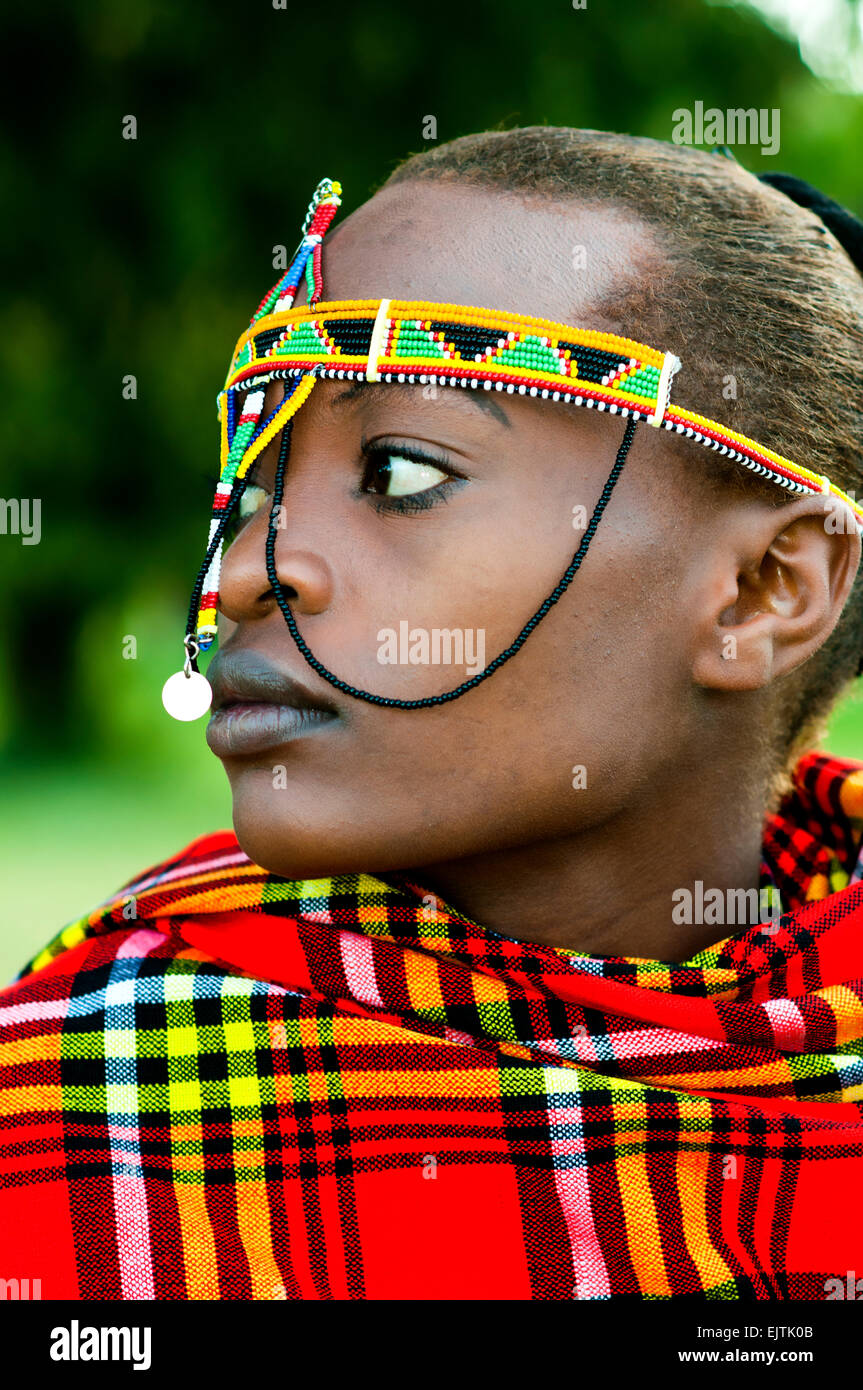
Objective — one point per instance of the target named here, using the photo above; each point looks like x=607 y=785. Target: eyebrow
x=482 y=399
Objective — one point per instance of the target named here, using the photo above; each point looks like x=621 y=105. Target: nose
x=304 y=576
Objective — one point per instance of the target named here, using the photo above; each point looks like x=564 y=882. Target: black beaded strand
x=430 y=700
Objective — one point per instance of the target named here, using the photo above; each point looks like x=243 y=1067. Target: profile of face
x=412 y=509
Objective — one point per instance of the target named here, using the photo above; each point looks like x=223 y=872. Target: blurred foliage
x=147 y=257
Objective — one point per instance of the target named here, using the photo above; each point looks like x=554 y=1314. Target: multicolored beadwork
x=391 y=340
x=459 y=345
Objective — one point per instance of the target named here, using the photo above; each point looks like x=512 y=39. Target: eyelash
x=411 y=502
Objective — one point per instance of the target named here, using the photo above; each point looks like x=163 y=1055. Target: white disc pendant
x=187 y=697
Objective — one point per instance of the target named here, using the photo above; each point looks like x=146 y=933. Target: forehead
x=456 y=243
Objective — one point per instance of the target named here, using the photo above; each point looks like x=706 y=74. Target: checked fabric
x=227 y=1085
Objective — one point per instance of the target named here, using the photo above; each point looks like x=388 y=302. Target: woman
x=537 y=975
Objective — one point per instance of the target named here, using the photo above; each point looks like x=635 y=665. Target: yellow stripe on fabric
x=196 y=881
x=253 y=1222
x=851 y=795
x=350 y=1031
x=42 y=1048
x=373 y=915
x=838 y=877
x=184 y=1097
x=198 y=1241
x=423 y=982
x=67 y=938
x=289 y=407
x=769 y=1074
x=209 y=900
x=412 y=1083
x=487 y=990
x=239 y=1040
x=818 y=888
x=847 y=1011
x=642 y=1226
x=692 y=1172
x=19 y=1100
x=654 y=978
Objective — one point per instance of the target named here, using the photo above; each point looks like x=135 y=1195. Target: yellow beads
x=639 y=364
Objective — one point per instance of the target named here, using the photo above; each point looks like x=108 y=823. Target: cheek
x=422 y=603
x=556 y=740
x=552 y=743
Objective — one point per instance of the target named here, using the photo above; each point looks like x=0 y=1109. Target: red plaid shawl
x=228 y=1085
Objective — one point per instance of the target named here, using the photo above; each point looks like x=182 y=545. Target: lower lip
x=239 y=729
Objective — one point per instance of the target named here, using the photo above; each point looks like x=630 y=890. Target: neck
x=615 y=888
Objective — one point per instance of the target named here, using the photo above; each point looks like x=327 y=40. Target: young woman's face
x=411 y=510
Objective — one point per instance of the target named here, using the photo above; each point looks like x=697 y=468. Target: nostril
x=288 y=592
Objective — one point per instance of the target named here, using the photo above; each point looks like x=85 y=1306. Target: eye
x=397 y=475
x=253 y=498
x=251 y=501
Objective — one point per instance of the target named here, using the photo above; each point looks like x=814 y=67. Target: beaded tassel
x=322 y=209
x=242 y=436
x=244 y=439
x=250 y=440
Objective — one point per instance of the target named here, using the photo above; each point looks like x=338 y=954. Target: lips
x=257 y=707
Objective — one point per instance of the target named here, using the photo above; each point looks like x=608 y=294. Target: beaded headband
x=416 y=341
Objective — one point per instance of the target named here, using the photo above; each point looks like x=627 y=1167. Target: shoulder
x=126 y=905
x=100 y=971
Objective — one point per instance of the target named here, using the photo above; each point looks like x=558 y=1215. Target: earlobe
x=793 y=574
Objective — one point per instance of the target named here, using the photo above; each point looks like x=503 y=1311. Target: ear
x=778 y=582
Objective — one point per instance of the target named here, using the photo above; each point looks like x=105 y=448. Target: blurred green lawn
x=74 y=830
x=72 y=834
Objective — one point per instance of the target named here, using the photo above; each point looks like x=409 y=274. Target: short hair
x=757 y=290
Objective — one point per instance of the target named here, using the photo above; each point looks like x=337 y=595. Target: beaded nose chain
x=389 y=340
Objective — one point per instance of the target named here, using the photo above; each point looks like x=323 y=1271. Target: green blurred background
x=146 y=257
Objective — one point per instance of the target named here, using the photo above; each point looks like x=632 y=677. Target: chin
x=305 y=842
